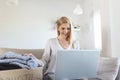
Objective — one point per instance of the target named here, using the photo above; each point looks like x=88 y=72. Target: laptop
x=76 y=64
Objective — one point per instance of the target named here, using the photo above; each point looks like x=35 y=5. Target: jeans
x=47 y=77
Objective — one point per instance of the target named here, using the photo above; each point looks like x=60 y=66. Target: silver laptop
x=76 y=64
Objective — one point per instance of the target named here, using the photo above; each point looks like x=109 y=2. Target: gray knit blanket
x=22 y=60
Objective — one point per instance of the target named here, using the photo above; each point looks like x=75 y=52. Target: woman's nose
x=65 y=30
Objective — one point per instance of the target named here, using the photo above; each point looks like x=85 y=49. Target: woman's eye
x=63 y=28
x=68 y=28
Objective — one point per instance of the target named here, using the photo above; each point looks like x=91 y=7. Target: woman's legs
x=46 y=77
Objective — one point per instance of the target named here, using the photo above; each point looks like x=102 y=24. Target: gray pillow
x=108 y=68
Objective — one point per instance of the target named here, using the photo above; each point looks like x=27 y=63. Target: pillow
x=108 y=68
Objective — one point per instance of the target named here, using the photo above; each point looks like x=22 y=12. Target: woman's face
x=64 y=30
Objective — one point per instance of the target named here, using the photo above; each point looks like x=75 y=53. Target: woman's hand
x=39 y=61
x=30 y=54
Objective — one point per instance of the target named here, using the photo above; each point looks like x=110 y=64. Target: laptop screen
x=76 y=64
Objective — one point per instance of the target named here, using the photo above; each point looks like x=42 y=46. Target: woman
x=62 y=42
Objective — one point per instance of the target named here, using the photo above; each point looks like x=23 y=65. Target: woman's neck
x=63 y=42
x=62 y=38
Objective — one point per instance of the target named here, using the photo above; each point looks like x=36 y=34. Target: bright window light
x=97 y=30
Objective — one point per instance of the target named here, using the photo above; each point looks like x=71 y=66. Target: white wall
x=115 y=27
x=30 y=23
x=110 y=11
x=106 y=41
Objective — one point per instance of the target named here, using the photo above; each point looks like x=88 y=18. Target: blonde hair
x=61 y=21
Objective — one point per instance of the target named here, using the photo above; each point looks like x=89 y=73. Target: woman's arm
x=46 y=56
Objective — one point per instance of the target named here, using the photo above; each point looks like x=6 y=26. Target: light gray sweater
x=49 y=56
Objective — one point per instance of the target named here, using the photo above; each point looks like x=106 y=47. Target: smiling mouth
x=65 y=34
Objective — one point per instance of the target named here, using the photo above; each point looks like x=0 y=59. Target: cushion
x=108 y=68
